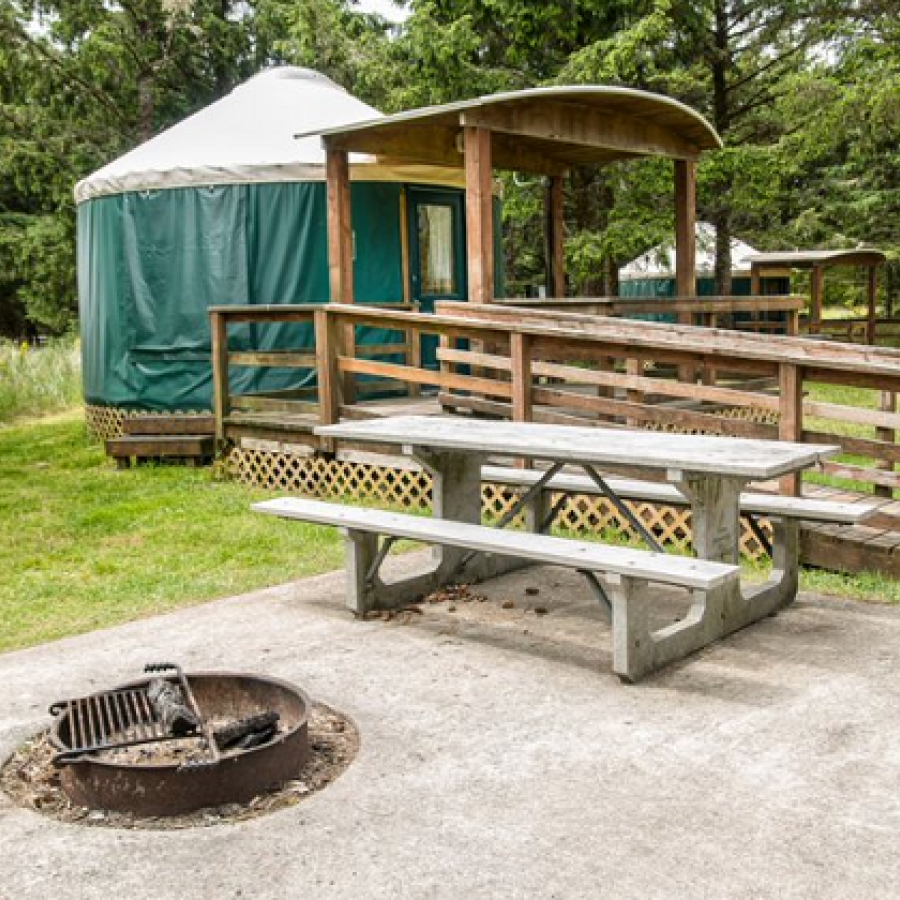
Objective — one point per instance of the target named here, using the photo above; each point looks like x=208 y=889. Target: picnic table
x=710 y=473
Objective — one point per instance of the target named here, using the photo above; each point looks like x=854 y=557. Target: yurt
x=229 y=207
x=652 y=274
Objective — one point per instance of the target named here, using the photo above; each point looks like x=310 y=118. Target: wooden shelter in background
x=542 y=131
x=763 y=265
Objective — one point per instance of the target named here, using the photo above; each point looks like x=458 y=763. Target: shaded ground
x=499 y=756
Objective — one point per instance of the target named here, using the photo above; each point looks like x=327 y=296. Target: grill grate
x=110 y=720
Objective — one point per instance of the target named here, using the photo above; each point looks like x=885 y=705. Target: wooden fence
x=577 y=369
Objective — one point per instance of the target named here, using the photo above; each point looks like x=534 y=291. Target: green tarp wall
x=151 y=263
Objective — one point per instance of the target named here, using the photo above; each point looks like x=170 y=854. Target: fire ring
x=172 y=788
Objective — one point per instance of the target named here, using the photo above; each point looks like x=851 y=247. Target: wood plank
x=479 y=215
x=790 y=422
x=340 y=226
x=829 y=356
x=549 y=120
x=854 y=414
x=433 y=145
x=888 y=404
x=520 y=372
x=331 y=394
x=634 y=412
x=256 y=403
x=219 y=336
x=425 y=376
x=685 y=228
x=657 y=567
x=167 y=445
x=617 y=306
x=556 y=255
x=369 y=350
x=752 y=459
x=281 y=359
x=880 y=450
x=504 y=410
x=168 y=424
x=634 y=489
x=860 y=473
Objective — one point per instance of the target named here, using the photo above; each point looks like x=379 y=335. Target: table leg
x=715 y=507
x=456 y=495
x=456 y=480
x=715 y=504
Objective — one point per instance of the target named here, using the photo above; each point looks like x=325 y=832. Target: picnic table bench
x=709 y=473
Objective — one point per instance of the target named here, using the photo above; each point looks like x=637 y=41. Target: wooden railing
x=855 y=330
x=770 y=313
x=582 y=369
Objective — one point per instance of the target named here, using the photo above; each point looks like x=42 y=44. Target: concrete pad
x=500 y=758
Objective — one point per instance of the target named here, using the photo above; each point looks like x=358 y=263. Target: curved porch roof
x=806 y=259
x=542 y=130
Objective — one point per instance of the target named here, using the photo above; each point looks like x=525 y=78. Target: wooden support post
x=605 y=364
x=329 y=383
x=755 y=280
x=520 y=371
x=871 y=296
x=792 y=322
x=556 y=257
x=413 y=341
x=634 y=368
x=520 y=377
x=685 y=231
x=340 y=226
x=219 y=345
x=685 y=243
x=790 y=424
x=479 y=214
x=817 y=293
x=888 y=404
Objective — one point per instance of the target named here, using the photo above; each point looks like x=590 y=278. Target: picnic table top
x=702 y=454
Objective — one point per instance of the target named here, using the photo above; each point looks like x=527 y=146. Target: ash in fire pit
x=168 y=746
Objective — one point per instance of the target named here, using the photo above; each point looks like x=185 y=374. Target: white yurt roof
x=660 y=261
x=248 y=136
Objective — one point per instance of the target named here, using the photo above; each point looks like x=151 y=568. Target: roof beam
x=431 y=144
x=581 y=126
x=510 y=154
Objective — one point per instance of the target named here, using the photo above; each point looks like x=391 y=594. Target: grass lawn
x=84 y=545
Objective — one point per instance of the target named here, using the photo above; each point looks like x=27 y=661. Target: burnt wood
x=168 y=702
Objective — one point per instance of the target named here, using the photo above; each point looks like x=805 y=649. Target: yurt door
x=437 y=243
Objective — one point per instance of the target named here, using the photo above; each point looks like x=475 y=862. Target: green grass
x=861 y=398
x=38 y=380
x=84 y=545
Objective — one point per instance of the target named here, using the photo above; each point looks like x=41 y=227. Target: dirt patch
x=32 y=781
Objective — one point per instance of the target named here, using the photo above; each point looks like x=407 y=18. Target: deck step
x=169 y=425
x=191 y=447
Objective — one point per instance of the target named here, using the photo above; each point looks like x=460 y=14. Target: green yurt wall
x=227 y=207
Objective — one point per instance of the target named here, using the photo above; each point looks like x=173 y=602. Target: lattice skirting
x=105 y=422
x=411 y=489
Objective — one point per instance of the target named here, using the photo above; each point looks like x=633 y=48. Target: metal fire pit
x=170 y=789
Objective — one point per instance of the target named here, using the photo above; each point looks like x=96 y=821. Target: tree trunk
x=721 y=211
x=723 y=252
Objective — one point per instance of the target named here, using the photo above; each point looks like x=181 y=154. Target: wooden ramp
x=874 y=546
